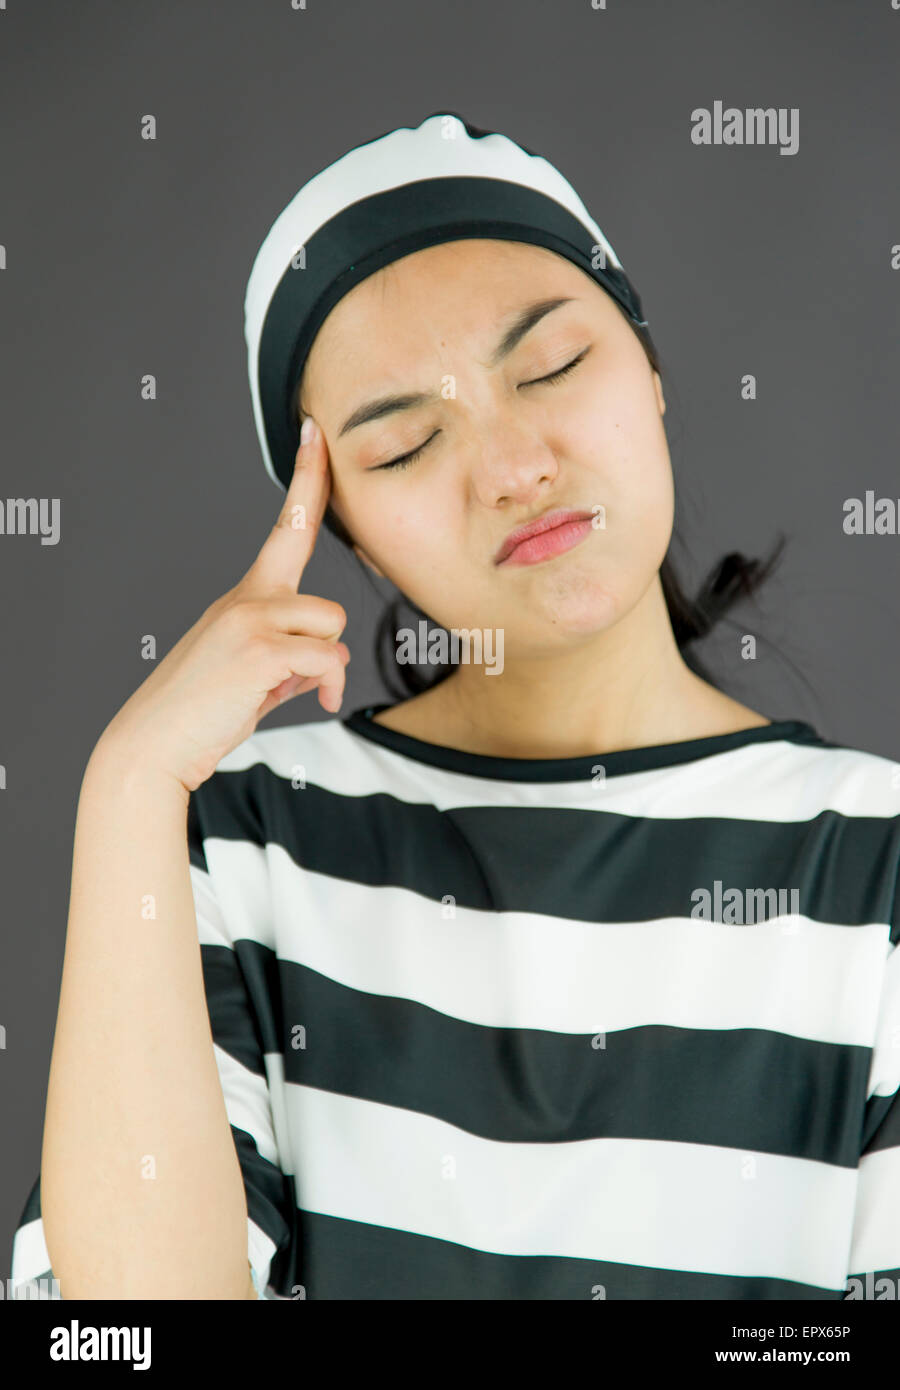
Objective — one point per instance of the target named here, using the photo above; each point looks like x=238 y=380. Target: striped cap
x=443 y=180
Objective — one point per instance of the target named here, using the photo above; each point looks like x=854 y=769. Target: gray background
x=126 y=256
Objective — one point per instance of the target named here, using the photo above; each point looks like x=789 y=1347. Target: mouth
x=549 y=535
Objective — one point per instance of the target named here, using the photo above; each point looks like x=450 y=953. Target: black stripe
x=586 y=866
x=32 y=1208
x=577 y=769
x=352 y=1260
x=196 y=852
x=233 y=978
x=693 y=1086
x=374 y=231
x=881 y=1124
x=271 y=1204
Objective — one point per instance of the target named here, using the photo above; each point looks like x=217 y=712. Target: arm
x=142 y=1194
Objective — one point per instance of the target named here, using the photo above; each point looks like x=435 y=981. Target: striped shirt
x=623 y=1026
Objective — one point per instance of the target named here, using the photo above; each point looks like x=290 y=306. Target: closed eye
x=405 y=460
x=556 y=376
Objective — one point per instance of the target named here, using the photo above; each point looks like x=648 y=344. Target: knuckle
x=258 y=647
x=338 y=612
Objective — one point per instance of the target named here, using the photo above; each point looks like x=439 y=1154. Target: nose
x=510 y=462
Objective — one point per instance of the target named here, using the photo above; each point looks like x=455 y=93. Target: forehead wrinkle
x=527 y=317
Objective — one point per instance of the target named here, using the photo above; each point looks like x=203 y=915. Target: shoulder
x=845 y=778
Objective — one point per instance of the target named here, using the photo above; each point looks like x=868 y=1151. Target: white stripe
x=645 y=1202
x=876 y=1234
x=247 y=1103
x=30 y=1256
x=260 y=1250
x=884 y=1073
x=246 y=898
x=776 y=782
x=274 y=1062
x=525 y=970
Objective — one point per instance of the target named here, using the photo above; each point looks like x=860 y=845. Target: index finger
x=286 y=550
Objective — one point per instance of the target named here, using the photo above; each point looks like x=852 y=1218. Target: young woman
x=568 y=976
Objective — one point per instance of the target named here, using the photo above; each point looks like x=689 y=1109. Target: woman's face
x=498 y=447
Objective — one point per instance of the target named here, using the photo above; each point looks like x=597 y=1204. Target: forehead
x=457 y=288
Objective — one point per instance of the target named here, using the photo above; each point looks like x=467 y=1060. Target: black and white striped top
x=624 y=1026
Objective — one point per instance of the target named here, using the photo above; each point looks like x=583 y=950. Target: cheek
x=408 y=539
x=624 y=444
x=629 y=474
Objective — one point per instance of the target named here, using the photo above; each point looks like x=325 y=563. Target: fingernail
x=308 y=430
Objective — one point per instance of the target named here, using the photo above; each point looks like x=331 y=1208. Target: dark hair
x=732 y=577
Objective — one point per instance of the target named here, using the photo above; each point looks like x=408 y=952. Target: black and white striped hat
x=443 y=180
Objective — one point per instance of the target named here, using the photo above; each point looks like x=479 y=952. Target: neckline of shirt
x=574 y=769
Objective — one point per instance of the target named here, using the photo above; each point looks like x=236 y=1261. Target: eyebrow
x=524 y=321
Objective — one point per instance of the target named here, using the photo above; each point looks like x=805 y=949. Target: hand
x=256 y=646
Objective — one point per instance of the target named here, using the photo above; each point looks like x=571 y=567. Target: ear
x=358 y=550
x=659 y=393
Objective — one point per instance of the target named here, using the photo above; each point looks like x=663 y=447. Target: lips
x=548 y=522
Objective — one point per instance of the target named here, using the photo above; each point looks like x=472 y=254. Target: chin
x=577 y=601
x=553 y=624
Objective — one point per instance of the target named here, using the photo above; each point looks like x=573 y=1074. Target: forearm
x=141 y=1189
